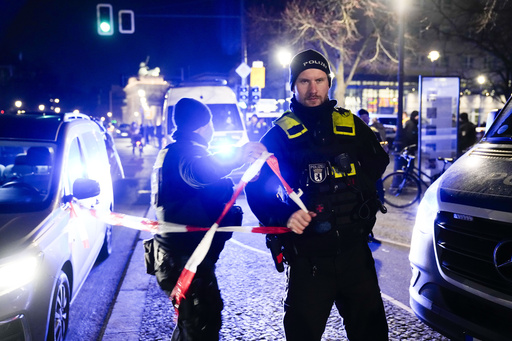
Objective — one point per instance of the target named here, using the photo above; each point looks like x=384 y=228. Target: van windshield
x=225 y=117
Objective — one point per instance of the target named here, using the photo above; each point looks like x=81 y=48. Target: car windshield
x=25 y=172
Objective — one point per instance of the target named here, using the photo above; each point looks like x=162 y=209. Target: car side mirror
x=85 y=188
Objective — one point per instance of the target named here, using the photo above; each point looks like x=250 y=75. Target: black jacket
x=192 y=190
x=263 y=196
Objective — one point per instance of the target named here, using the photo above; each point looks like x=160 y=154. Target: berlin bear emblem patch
x=317 y=172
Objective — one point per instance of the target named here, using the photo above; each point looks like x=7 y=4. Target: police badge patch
x=317 y=172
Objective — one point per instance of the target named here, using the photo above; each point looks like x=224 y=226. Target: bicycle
x=403 y=188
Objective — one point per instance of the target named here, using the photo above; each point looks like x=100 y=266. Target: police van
x=461 y=247
x=228 y=121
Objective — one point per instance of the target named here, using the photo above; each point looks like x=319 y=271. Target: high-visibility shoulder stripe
x=291 y=125
x=343 y=123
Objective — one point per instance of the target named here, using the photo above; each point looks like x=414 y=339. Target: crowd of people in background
x=467 y=134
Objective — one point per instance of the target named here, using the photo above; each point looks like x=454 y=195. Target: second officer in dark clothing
x=335 y=159
x=190 y=186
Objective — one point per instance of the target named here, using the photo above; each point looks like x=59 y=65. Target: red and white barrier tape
x=153 y=226
x=188 y=273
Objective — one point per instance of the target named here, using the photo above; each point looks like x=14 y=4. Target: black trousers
x=350 y=281
x=199 y=314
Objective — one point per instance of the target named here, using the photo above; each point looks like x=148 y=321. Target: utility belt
x=330 y=232
x=286 y=247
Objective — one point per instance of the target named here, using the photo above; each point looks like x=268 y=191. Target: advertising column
x=438 y=116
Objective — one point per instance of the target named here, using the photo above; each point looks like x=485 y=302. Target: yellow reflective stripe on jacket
x=291 y=125
x=340 y=175
x=343 y=124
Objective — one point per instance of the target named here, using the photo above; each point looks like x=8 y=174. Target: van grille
x=492 y=153
x=465 y=250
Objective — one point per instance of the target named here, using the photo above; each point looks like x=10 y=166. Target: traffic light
x=105 y=19
x=255 y=94
x=126 y=21
x=243 y=94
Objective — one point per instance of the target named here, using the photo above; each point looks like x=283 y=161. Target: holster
x=149 y=256
x=276 y=246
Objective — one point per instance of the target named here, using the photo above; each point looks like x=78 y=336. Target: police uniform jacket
x=335 y=159
x=192 y=189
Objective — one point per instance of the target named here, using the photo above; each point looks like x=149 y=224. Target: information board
x=438 y=116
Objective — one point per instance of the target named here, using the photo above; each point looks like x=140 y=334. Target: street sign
x=243 y=70
x=258 y=77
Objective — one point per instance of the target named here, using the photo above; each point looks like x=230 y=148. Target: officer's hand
x=299 y=220
x=251 y=151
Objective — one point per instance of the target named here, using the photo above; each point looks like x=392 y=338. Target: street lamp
x=433 y=56
x=401 y=6
x=480 y=80
x=285 y=58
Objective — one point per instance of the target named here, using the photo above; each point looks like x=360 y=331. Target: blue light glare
x=225 y=151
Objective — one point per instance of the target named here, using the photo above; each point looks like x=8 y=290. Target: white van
x=461 y=247
x=228 y=121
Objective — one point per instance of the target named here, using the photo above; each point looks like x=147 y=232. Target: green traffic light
x=105 y=27
x=105 y=19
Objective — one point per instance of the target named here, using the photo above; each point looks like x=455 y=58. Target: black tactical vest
x=330 y=170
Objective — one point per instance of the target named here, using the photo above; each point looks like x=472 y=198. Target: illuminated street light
x=433 y=56
x=480 y=80
x=18 y=104
x=285 y=57
x=41 y=107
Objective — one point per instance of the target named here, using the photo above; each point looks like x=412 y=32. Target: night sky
x=58 y=41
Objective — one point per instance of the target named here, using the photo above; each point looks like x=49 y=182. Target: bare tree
x=482 y=28
x=353 y=34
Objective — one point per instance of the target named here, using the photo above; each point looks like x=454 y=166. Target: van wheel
x=59 y=314
x=106 y=249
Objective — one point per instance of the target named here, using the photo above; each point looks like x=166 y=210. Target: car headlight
x=427 y=210
x=18 y=271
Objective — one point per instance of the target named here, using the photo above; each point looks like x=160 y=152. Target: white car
x=53 y=169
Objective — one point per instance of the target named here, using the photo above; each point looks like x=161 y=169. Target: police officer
x=335 y=159
x=190 y=186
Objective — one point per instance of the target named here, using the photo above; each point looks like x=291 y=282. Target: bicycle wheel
x=401 y=189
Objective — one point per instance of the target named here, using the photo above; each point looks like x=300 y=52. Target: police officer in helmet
x=335 y=159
